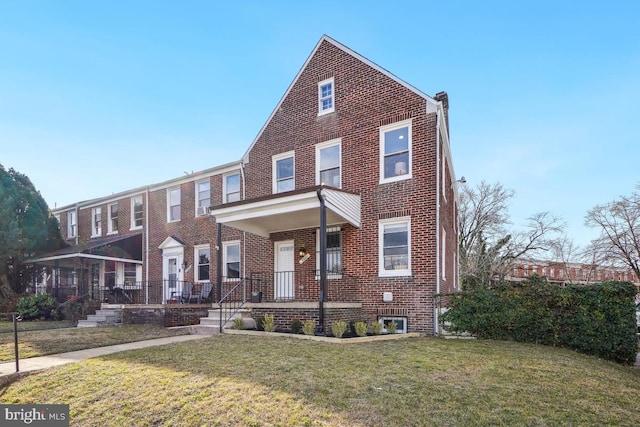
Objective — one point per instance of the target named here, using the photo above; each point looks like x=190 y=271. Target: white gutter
x=146 y=238
x=244 y=233
x=438 y=254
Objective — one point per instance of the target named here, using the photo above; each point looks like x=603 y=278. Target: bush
x=260 y=323
x=309 y=327
x=269 y=323
x=339 y=328
x=40 y=306
x=238 y=323
x=376 y=328
x=391 y=327
x=595 y=319
x=296 y=326
x=360 y=328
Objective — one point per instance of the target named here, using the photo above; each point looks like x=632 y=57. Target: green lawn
x=233 y=380
x=40 y=339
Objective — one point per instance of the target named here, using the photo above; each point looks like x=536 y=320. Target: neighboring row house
x=344 y=205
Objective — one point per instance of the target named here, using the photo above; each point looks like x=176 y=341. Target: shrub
x=269 y=323
x=309 y=327
x=376 y=328
x=361 y=328
x=296 y=326
x=260 y=323
x=391 y=327
x=238 y=323
x=339 y=328
x=40 y=306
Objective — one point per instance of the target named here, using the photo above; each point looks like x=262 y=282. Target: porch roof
x=118 y=248
x=292 y=210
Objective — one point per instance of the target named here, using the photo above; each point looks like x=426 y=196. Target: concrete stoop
x=210 y=325
x=109 y=317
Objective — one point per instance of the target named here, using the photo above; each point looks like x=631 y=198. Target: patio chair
x=187 y=293
x=204 y=292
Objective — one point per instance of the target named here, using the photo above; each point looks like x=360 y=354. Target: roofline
x=217 y=170
x=429 y=99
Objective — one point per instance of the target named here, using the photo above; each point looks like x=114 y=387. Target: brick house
x=343 y=207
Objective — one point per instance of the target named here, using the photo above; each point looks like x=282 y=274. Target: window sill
x=394 y=273
x=325 y=112
x=396 y=178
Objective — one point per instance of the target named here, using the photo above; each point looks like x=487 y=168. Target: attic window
x=326 y=102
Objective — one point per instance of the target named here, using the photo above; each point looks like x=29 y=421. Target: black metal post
x=219 y=262
x=15 y=339
x=323 y=258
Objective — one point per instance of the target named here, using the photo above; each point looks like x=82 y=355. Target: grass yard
x=35 y=339
x=233 y=380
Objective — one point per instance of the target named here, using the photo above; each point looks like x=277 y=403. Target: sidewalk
x=36 y=363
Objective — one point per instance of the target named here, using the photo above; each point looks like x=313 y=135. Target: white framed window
x=394 y=241
x=231 y=188
x=284 y=172
x=334 y=252
x=329 y=163
x=395 y=151
x=203 y=197
x=173 y=204
x=112 y=226
x=443 y=255
x=72 y=224
x=231 y=260
x=401 y=323
x=96 y=222
x=202 y=255
x=326 y=98
x=137 y=213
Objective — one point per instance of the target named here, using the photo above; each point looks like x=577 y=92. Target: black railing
x=232 y=301
x=302 y=285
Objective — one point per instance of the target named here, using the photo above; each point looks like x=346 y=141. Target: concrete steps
x=210 y=325
x=109 y=317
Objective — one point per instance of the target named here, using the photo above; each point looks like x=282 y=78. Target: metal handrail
x=229 y=301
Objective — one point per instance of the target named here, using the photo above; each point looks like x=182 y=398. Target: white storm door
x=284 y=266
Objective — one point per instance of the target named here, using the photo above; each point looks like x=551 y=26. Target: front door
x=284 y=269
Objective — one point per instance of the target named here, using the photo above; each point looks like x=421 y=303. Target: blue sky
x=100 y=97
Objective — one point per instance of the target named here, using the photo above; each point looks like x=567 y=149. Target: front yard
x=237 y=380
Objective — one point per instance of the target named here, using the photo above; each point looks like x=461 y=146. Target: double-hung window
x=328 y=163
x=395 y=151
x=72 y=224
x=136 y=212
x=203 y=198
x=231 y=188
x=113 y=218
x=231 y=260
x=326 y=99
x=334 y=252
x=203 y=260
x=173 y=204
x=96 y=222
x=394 y=240
x=283 y=172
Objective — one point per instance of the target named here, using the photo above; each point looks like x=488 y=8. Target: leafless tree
x=488 y=248
x=619 y=224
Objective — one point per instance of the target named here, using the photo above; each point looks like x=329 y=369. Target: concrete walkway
x=7 y=369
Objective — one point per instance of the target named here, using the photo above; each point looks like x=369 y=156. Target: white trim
x=382 y=272
x=199 y=210
x=133 y=199
x=89 y=256
x=225 y=190
x=225 y=246
x=332 y=97
x=443 y=255
x=394 y=318
x=72 y=224
x=97 y=211
x=274 y=170
x=169 y=190
x=324 y=145
x=110 y=229
x=388 y=128
x=196 y=263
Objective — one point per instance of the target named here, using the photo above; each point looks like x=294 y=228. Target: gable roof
x=431 y=103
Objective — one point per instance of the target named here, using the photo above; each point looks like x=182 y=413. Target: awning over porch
x=118 y=248
x=293 y=210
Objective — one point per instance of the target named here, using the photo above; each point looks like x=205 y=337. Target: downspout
x=323 y=258
x=244 y=233
x=438 y=254
x=77 y=223
x=146 y=244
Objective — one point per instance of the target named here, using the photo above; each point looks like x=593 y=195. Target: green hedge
x=594 y=319
x=38 y=307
